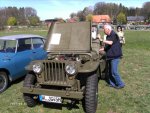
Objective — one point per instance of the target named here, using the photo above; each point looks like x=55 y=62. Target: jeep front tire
x=91 y=94
x=28 y=98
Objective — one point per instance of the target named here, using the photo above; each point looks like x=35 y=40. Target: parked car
x=72 y=70
x=16 y=52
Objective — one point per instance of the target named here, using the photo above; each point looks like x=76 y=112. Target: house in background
x=71 y=20
x=101 y=19
x=135 y=19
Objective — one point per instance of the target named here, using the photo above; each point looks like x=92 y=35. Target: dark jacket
x=113 y=51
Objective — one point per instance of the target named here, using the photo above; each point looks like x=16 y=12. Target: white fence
x=130 y=27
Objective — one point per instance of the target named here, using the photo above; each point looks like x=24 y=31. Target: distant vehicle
x=16 y=52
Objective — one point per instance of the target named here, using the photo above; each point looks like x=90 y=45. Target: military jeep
x=71 y=71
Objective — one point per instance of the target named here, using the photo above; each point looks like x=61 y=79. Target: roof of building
x=101 y=18
x=135 y=18
x=71 y=20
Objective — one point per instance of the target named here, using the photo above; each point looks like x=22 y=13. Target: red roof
x=71 y=20
x=101 y=19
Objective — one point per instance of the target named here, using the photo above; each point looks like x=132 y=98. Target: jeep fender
x=89 y=67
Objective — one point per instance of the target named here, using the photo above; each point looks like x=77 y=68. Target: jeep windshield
x=7 y=46
x=69 y=37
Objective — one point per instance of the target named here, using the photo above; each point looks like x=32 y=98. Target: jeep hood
x=69 y=37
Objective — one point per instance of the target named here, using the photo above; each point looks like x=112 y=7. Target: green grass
x=135 y=72
x=38 y=31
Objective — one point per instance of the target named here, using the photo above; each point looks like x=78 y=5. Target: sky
x=50 y=9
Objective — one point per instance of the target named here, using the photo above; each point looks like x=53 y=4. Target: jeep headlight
x=71 y=69
x=37 y=68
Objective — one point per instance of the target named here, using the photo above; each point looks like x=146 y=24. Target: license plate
x=51 y=99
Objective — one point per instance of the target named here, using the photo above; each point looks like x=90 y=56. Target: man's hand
x=101 y=49
x=99 y=37
x=108 y=42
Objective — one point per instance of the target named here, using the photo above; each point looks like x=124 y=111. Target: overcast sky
x=49 y=9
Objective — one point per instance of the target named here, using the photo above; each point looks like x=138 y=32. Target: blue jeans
x=114 y=78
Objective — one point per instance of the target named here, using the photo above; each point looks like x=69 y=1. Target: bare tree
x=81 y=16
x=22 y=15
x=146 y=10
x=28 y=12
x=87 y=10
x=110 y=9
x=72 y=15
x=2 y=18
x=100 y=8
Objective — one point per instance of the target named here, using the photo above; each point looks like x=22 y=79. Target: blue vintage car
x=16 y=52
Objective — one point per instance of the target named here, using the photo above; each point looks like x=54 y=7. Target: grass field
x=134 y=69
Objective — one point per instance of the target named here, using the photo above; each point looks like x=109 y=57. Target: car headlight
x=71 y=69
x=37 y=68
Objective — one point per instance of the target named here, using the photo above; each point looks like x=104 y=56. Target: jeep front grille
x=54 y=73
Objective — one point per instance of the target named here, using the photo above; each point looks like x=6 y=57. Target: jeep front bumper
x=50 y=92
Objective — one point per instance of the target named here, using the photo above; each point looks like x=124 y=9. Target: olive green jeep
x=71 y=71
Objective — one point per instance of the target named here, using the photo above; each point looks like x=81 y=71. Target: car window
x=37 y=42
x=2 y=45
x=24 y=44
x=7 y=46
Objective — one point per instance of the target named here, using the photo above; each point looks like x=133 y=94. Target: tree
x=11 y=21
x=81 y=16
x=28 y=12
x=111 y=9
x=20 y=14
x=100 y=8
x=33 y=20
x=21 y=18
x=121 y=18
x=146 y=10
x=72 y=15
x=89 y=17
x=2 y=18
x=87 y=10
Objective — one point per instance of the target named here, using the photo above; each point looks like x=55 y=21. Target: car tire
x=3 y=81
x=91 y=94
x=28 y=98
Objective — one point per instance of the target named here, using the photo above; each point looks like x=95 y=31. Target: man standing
x=113 y=55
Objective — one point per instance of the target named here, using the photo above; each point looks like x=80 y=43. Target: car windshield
x=8 y=46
